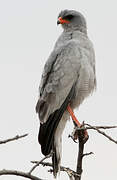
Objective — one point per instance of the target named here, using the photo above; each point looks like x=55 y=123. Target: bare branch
x=97 y=127
x=82 y=141
x=79 y=160
x=81 y=138
x=38 y=163
x=101 y=127
x=87 y=154
x=62 y=168
x=103 y=133
x=18 y=173
x=13 y=139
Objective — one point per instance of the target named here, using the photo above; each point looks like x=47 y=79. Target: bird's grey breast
x=86 y=82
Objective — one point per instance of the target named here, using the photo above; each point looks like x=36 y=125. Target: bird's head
x=71 y=19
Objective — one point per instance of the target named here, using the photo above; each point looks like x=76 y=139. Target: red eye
x=68 y=17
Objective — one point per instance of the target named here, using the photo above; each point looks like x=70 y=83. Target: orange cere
x=63 y=21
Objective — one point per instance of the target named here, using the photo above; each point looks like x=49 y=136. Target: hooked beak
x=58 y=22
x=62 y=21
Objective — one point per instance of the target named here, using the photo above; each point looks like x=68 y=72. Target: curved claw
x=70 y=136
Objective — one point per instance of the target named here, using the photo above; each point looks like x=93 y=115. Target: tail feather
x=47 y=132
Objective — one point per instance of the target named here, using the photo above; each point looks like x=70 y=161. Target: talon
x=75 y=135
x=70 y=136
x=75 y=120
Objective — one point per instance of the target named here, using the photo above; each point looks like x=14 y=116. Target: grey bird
x=68 y=78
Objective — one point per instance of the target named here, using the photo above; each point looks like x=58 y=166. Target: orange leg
x=69 y=109
x=73 y=116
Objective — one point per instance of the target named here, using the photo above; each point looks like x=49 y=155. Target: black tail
x=47 y=130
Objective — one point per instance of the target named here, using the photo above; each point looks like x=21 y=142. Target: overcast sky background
x=28 y=32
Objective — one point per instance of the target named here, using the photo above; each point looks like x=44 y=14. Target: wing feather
x=59 y=75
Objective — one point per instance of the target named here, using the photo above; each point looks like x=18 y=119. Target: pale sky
x=28 y=32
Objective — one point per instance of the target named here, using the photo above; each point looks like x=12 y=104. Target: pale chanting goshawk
x=68 y=78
